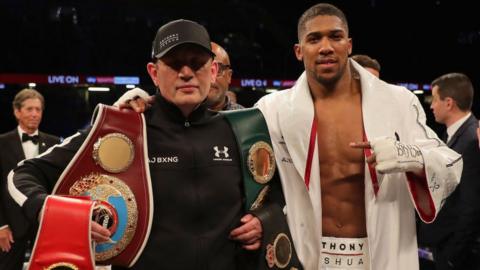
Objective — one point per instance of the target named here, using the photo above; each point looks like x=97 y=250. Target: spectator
x=368 y=63
x=24 y=142
x=454 y=236
x=217 y=99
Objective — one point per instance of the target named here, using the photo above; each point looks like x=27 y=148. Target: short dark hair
x=367 y=62
x=317 y=10
x=456 y=86
x=25 y=94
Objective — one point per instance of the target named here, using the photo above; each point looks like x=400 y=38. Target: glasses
x=222 y=68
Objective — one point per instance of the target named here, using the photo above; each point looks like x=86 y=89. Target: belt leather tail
x=63 y=240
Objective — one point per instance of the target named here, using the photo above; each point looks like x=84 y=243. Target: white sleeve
x=131 y=94
x=443 y=166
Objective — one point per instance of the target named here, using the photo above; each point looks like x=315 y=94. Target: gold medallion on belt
x=279 y=253
x=62 y=266
x=114 y=152
x=261 y=162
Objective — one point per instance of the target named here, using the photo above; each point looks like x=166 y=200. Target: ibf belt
x=257 y=158
x=111 y=168
x=55 y=246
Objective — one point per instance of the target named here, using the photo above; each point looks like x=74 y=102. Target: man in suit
x=24 y=142
x=454 y=235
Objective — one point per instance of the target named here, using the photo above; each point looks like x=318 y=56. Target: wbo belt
x=111 y=169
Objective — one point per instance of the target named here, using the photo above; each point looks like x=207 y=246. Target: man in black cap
x=200 y=220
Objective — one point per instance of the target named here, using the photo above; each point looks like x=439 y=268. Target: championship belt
x=111 y=168
x=63 y=239
x=256 y=153
x=258 y=171
x=278 y=248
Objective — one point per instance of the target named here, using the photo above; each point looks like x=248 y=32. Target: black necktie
x=26 y=137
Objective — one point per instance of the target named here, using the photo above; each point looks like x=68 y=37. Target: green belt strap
x=249 y=127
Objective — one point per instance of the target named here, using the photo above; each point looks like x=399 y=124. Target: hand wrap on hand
x=393 y=156
x=131 y=95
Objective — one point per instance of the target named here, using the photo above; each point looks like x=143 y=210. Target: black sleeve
x=466 y=228
x=35 y=178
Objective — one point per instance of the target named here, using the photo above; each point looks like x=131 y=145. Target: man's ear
x=350 y=46
x=229 y=76
x=450 y=103
x=298 y=52
x=214 y=70
x=152 y=71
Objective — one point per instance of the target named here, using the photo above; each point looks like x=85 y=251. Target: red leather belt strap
x=64 y=235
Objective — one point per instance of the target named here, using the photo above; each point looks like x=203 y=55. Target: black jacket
x=11 y=152
x=196 y=182
x=454 y=232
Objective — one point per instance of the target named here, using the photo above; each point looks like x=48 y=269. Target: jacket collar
x=165 y=110
x=469 y=122
x=16 y=144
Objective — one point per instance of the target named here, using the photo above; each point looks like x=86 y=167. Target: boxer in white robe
x=355 y=156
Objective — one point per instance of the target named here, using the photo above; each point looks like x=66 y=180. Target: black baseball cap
x=180 y=32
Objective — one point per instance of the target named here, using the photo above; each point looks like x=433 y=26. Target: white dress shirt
x=453 y=128
x=29 y=148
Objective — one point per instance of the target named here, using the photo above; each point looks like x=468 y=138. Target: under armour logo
x=218 y=152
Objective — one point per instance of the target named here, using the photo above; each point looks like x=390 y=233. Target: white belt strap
x=344 y=253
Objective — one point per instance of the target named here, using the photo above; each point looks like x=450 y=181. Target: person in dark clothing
x=217 y=99
x=455 y=235
x=25 y=141
x=199 y=221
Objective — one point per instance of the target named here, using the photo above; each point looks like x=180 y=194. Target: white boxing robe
x=387 y=109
